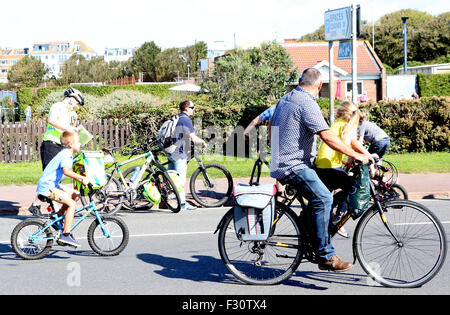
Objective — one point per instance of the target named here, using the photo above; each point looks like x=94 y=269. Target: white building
x=54 y=54
x=118 y=54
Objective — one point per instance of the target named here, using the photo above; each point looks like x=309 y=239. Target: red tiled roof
x=308 y=54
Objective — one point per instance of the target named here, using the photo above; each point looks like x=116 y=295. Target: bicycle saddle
x=44 y=198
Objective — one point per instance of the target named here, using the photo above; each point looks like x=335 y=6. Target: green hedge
x=434 y=84
x=414 y=125
x=35 y=97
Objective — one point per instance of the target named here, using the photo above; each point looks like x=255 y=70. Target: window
x=359 y=85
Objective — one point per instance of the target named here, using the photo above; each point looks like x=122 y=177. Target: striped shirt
x=296 y=120
x=371 y=132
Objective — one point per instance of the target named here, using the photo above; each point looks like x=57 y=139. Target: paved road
x=177 y=254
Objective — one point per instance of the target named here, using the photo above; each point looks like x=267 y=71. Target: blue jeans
x=380 y=147
x=337 y=178
x=179 y=165
x=320 y=201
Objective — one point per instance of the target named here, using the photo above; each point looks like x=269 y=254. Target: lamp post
x=405 y=51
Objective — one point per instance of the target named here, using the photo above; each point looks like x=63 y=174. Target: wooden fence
x=21 y=141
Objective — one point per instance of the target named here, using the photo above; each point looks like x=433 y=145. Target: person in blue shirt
x=184 y=133
x=296 y=121
x=49 y=184
x=264 y=116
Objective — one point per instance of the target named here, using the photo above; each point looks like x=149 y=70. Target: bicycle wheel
x=413 y=257
x=388 y=172
x=111 y=196
x=111 y=241
x=169 y=193
x=212 y=186
x=398 y=191
x=262 y=262
x=26 y=244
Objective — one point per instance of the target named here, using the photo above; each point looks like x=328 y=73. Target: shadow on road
x=204 y=268
x=210 y=269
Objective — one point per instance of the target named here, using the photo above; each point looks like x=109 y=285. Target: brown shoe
x=335 y=264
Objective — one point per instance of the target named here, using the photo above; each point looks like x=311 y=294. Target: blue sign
x=345 y=50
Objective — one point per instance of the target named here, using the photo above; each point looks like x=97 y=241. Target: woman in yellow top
x=329 y=162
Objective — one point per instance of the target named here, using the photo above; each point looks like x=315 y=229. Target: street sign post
x=342 y=25
x=338 y=24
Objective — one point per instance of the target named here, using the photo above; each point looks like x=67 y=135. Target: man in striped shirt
x=296 y=120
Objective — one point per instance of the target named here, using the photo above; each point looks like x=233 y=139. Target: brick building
x=371 y=72
x=8 y=58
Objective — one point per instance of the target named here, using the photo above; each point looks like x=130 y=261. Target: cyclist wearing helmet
x=61 y=117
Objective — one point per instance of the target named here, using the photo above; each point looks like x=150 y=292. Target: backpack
x=166 y=134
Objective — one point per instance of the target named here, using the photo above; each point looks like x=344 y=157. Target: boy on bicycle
x=50 y=180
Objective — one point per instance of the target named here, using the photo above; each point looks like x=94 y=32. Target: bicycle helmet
x=71 y=92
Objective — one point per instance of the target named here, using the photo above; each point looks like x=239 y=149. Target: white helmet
x=71 y=92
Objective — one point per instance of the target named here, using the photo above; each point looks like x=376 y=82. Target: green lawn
x=27 y=173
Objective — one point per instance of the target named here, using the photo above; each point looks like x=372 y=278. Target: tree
x=78 y=69
x=389 y=36
x=27 y=72
x=170 y=65
x=145 y=61
x=256 y=76
x=428 y=37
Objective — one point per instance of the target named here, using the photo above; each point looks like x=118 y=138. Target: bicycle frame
x=90 y=208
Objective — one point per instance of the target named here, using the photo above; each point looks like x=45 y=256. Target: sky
x=104 y=24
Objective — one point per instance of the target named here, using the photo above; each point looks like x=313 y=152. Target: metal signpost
x=341 y=24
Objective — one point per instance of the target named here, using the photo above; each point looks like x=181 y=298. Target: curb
x=23 y=211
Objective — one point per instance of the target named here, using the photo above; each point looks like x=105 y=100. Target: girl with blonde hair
x=329 y=162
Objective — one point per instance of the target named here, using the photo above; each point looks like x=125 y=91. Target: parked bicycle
x=33 y=238
x=132 y=190
x=399 y=243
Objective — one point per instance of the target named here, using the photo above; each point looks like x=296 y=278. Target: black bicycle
x=399 y=243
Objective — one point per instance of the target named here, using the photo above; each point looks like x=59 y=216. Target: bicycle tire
x=422 y=241
x=391 y=175
x=21 y=243
x=105 y=246
x=240 y=257
x=399 y=190
x=203 y=193
x=169 y=193
x=118 y=197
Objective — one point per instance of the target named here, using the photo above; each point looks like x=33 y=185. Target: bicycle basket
x=91 y=165
x=359 y=195
x=254 y=211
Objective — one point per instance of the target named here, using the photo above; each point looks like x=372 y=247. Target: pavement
x=15 y=200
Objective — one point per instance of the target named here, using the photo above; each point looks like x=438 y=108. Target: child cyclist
x=50 y=180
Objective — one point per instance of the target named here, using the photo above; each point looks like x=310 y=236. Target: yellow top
x=64 y=115
x=326 y=156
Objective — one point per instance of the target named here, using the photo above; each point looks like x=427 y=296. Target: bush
x=414 y=125
x=434 y=84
